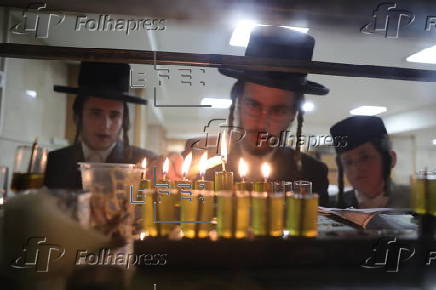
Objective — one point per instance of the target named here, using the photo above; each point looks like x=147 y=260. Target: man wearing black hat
x=366 y=158
x=265 y=104
x=102 y=118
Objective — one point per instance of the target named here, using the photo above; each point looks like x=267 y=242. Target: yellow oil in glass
x=302 y=215
x=224 y=213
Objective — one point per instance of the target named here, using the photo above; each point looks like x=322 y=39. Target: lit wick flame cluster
x=206 y=163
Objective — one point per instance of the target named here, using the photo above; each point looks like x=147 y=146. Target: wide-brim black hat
x=103 y=80
x=357 y=130
x=279 y=43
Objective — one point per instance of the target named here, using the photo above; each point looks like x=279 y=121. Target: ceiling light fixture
x=31 y=93
x=368 y=110
x=308 y=106
x=217 y=103
x=427 y=55
x=241 y=34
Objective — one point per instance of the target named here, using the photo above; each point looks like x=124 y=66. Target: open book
x=360 y=217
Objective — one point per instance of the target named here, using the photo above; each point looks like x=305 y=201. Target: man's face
x=264 y=109
x=363 y=167
x=102 y=122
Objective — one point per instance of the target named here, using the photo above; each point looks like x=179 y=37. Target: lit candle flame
x=243 y=168
x=143 y=166
x=203 y=164
x=142 y=235
x=144 y=163
x=186 y=164
x=165 y=168
x=266 y=170
x=213 y=161
x=224 y=150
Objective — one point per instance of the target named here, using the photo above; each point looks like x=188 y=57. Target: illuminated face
x=363 y=167
x=264 y=109
x=102 y=122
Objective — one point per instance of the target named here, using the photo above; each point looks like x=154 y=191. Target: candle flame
x=266 y=170
x=187 y=164
x=243 y=168
x=213 y=161
x=203 y=164
x=224 y=146
x=166 y=166
x=144 y=163
x=142 y=235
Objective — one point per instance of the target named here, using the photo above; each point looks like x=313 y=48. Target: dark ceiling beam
x=212 y=60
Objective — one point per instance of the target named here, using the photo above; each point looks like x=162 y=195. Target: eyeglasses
x=254 y=109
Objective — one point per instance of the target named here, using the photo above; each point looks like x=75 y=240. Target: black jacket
x=63 y=172
x=285 y=169
x=399 y=197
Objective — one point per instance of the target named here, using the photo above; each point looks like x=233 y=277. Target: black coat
x=399 y=197
x=285 y=169
x=63 y=171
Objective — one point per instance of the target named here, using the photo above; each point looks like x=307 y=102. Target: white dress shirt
x=96 y=155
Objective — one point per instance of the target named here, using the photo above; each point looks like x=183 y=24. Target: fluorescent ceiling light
x=434 y=141
x=31 y=93
x=368 y=110
x=427 y=55
x=217 y=103
x=308 y=106
x=299 y=29
x=241 y=34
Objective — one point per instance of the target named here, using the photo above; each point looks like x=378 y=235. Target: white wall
x=405 y=148
x=22 y=118
x=426 y=151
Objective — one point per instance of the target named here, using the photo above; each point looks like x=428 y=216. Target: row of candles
x=235 y=207
x=223 y=179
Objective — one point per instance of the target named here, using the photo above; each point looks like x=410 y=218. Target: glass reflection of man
x=367 y=160
x=102 y=118
x=266 y=103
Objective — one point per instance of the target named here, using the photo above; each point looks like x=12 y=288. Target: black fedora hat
x=103 y=80
x=279 y=43
x=357 y=130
